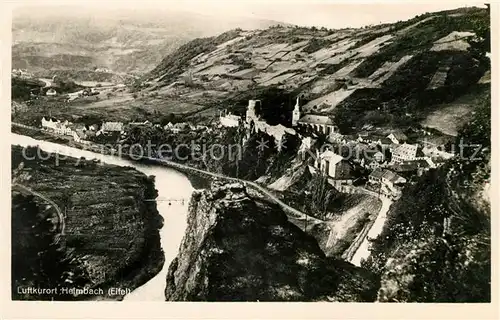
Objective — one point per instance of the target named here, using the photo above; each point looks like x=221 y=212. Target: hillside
x=78 y=38
x=389 y=74
x=241 y=248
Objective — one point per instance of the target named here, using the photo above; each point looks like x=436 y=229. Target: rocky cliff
x=241 y=248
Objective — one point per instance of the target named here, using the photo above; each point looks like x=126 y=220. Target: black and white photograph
x=253 y=151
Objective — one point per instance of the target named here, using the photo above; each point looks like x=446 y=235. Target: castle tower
x=251 y=115
x=296 y=113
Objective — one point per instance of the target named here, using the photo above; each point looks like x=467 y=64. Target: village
x=390 y=161
x=387 y=162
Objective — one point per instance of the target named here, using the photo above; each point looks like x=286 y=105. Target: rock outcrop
x=240 y=248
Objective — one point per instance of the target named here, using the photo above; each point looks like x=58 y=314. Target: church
x=319 y=123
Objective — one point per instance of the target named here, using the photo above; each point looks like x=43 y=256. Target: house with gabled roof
x=319 y=123
x=112 y=127
x=397 y=137
x=334 y=166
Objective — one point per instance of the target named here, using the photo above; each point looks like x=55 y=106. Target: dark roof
x=377 y=173
x=385 y=140
x=391 y=176
x=316 y=119
x=405 y=166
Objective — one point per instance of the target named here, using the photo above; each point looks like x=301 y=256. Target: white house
x=112 y=127
x=328 y=163
x=180 y=127
x=251 y=114
x=405 y=152
x=229 y=120
x=435 y=152
x=79 y=136
x=306 y=145
x=49 y=123
x=51 y=92
x=168 y=126
x=391 y=179
x=389 y=182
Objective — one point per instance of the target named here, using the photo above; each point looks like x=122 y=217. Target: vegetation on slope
x=177 y=62
x=435 y=246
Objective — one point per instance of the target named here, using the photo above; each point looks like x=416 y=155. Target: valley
x=324 y=164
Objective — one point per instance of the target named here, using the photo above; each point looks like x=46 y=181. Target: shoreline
x=146 y=260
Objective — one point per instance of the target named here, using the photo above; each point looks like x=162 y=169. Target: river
x=169 y=183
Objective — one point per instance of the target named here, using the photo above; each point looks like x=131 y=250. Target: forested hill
x=384 y=74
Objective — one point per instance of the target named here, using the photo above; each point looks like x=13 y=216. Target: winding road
x=363 y=251
x=62 y=223
x=292 y=211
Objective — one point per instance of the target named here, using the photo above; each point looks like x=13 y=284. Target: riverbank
x=189 y=171
x=198 y=180
x=89 y=223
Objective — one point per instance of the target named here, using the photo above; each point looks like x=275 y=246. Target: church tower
x=296 y=113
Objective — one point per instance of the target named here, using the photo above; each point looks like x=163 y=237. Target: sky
x=327 y=13
x=331 y=14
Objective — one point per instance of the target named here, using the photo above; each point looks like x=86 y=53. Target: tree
x=481 y=43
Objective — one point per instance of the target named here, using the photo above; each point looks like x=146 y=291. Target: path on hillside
x=363 y=251
x=62 y=223
x=48 y=82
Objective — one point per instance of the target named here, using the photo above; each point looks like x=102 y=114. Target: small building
x=229 y=120
x=388 y=179
x=145 y=123
x=376 y=176
x=391 y=179
x=112 y=127
x=334 y=165
x=200 y=127
x=49 y=123
x=337 y=138
x=251 y=114
x=79 y=135
x=374 y=139
x=436 y=152
x=397 y=137
x=180 y=127
x=51 y=92
x=306 y=144
x=168 y=126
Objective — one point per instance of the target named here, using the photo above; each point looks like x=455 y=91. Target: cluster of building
x=102 y=70
x=390 y=159
x=79 y=132
x=22 y=73
x=184 y=127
